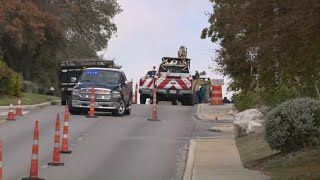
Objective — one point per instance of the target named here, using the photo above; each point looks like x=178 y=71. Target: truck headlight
x=116 y=94
x=76 y=92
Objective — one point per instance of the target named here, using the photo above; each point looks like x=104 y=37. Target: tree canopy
x=35 y=35
x=266 y=44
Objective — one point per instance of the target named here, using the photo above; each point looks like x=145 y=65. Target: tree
x=35 y=35
x=266 y=44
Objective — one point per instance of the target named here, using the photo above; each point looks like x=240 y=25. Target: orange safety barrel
x=216 y=95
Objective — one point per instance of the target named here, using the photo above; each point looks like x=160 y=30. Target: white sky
x=149 y=30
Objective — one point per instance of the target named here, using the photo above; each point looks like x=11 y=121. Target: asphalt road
x=113 y=148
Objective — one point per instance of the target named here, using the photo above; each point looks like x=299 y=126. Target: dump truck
x=70 y=71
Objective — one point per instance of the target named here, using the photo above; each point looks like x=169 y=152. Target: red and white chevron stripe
x=146 y=83
x=174 y=83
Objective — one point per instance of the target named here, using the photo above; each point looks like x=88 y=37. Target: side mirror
x=127 y=82
x=73 y=79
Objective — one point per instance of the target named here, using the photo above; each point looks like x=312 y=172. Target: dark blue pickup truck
x=113 y=93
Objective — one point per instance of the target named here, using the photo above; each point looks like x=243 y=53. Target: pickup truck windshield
x=100 y=76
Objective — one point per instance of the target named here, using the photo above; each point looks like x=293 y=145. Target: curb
x=26 y=107
x=198 y=117
x=34 y=106
x=190 y=160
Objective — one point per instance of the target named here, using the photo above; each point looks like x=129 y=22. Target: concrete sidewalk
x=217 y=158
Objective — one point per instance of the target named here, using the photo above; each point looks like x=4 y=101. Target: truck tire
x=184 y=101
x=190 y=100
x=174 y=102
x=127 y=112
x=74 y=111
x=128 y=109
x=143 y=99
x=120 y=112
x=63 y=102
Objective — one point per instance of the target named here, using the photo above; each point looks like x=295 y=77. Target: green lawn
x=256 y=154
x=27 y=99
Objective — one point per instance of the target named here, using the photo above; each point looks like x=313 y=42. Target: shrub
x=30 y=87
x=246 y=100
x=11 y=82
x=279 y=95
x=293 y=125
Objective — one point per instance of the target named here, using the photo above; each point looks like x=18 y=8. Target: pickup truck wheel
x=143 y=99
x=128 y=111
x=74 y=111
x=121 y=110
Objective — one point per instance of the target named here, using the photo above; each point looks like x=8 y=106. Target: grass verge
x=27 y=99
x=256 y=154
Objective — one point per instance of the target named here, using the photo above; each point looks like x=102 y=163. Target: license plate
x=173 y=91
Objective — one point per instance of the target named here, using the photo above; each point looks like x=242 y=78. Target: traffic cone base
x=65 y=152
x=88 y=116
x=55 y=164
x=29 y=178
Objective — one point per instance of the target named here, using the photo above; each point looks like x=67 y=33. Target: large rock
x=248 y=121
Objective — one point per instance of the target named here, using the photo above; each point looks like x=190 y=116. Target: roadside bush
x=246 y=100
x=279 y=95
x=30 y=87
x=11 y=82
x=293 y=125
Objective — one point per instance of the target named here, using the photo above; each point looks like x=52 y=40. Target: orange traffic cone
x=34 y=159
x=216 y=118
x=136 y=95
x=65 y=140
x=66 y=113
x=11 y=113
x=154 y=116
x=56 y=149
x=0 y=160
x=19 y=108
x=91 y=113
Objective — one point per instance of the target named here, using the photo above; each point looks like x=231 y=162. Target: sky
x=149 y=30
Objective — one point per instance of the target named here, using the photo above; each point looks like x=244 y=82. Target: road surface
x=112 y=148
